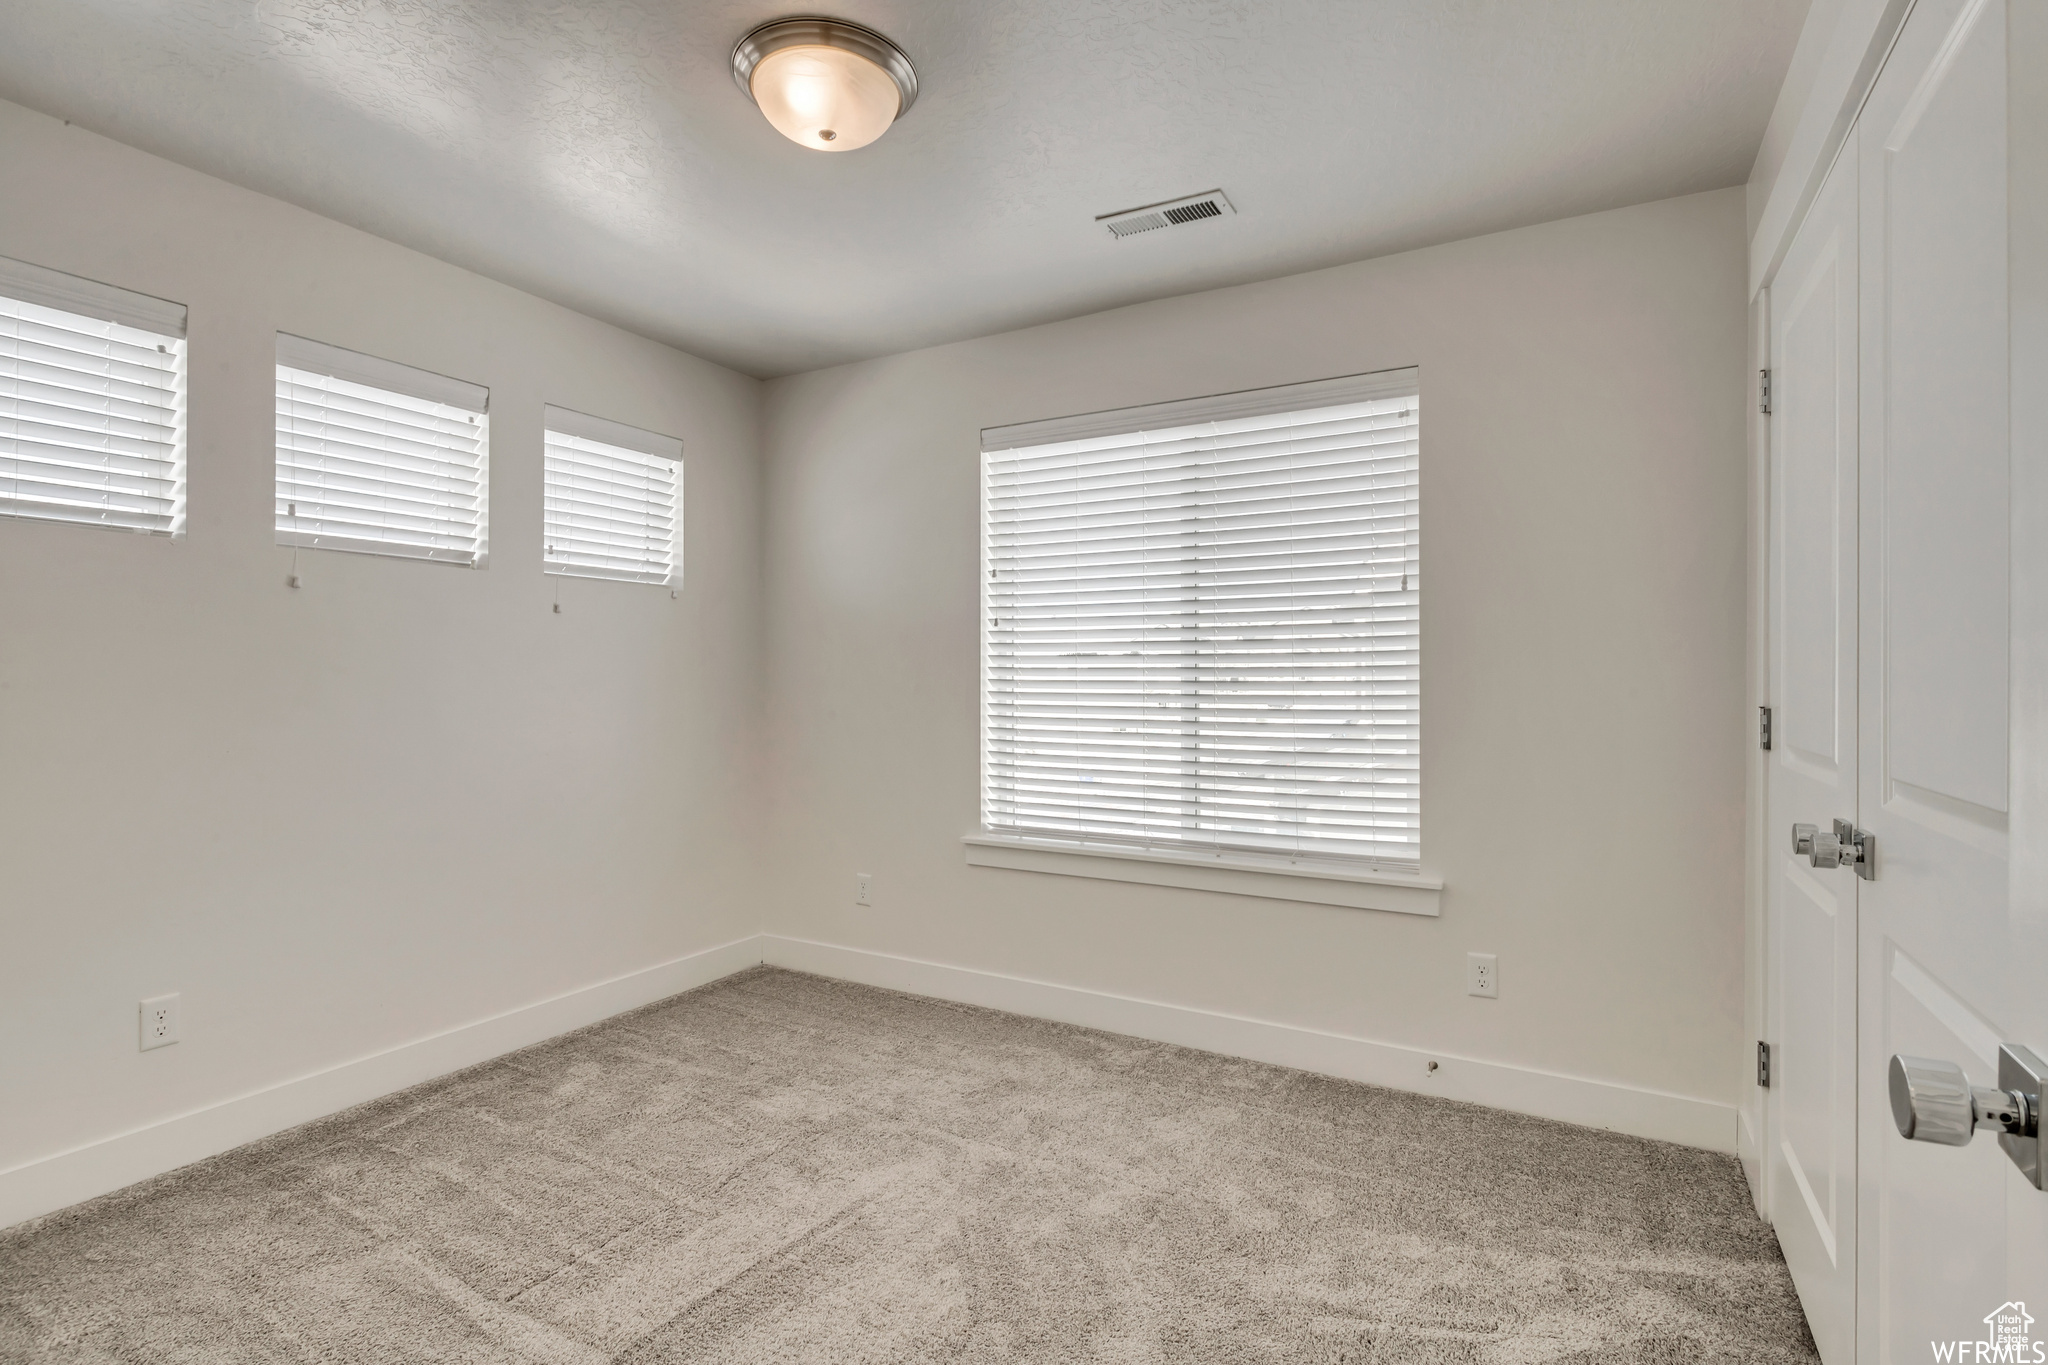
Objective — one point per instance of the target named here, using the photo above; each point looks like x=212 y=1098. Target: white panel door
x=1940 y=965
x=2026 y=1208
x=1811 y=1119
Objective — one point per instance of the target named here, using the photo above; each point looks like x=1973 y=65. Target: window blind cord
x=292 y=512
x=1294 y=684
x=1408 y=539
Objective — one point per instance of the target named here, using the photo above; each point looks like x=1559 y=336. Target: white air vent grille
x=1173 y=213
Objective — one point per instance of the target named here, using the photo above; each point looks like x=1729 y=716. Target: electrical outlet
x=863 y=888
x=159 y=1021
x=1482 y=975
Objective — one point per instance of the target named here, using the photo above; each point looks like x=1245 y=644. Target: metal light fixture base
x=817 y=31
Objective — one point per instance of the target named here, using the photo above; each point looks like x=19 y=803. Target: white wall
x=403 y=799
x=1583 y=655
x=408 y=812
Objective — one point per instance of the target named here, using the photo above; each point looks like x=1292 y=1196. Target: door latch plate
x=1859 y=849
x=2021 y=1070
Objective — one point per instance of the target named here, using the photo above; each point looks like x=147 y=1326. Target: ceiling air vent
x=1173 y=213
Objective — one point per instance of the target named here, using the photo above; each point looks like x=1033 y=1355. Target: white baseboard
x=1572 y=1099
x=57 y=1181
x=54 y=1182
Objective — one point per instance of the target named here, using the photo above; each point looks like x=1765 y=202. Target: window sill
x=1234 y=874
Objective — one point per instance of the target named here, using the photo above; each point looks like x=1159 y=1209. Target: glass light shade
x=825 y=98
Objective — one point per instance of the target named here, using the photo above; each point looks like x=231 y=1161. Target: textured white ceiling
x=599 y=154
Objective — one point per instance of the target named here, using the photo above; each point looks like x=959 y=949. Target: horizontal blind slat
x=1208 y=636
x=376 y=471
x=91 y=418
x=609 y=511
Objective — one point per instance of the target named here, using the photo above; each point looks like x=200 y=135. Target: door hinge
x=1764 y=402
x=1763 y=727
x=1763 y=1065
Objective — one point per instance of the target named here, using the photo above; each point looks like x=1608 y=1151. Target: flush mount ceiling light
x=824 y=83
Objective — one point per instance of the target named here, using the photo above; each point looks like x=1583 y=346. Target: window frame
x=560 y=421
x=1358 y=880
x=306 y=356
x=91 y=302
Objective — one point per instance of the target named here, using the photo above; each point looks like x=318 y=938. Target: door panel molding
x=1943 y=1003
x=1823 y=1219
x=1957 y=819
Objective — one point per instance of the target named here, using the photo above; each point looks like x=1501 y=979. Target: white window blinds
x=613 y=499
x=1200 y=625
x=92 y=402
x=378 y=457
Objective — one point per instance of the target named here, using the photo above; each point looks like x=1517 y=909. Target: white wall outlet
x=159 y=1021
x=863 y=888
x=1482 y=975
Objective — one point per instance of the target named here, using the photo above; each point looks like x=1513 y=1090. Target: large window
x=613 y=500
x=380 y=458
x=1200 y=625
x=92 y=403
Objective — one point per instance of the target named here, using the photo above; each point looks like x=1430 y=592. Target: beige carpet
x=779 y=1167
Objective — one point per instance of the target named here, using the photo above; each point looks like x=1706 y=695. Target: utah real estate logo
x=2008 y=1328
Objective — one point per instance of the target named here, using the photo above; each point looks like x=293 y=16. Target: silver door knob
x=1844 y=846
x=1933 y=1101
x=1825 y=850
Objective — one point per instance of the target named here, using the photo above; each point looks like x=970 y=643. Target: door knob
x=1844 y=846
x=1824 y=850
x=1933 y=1101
